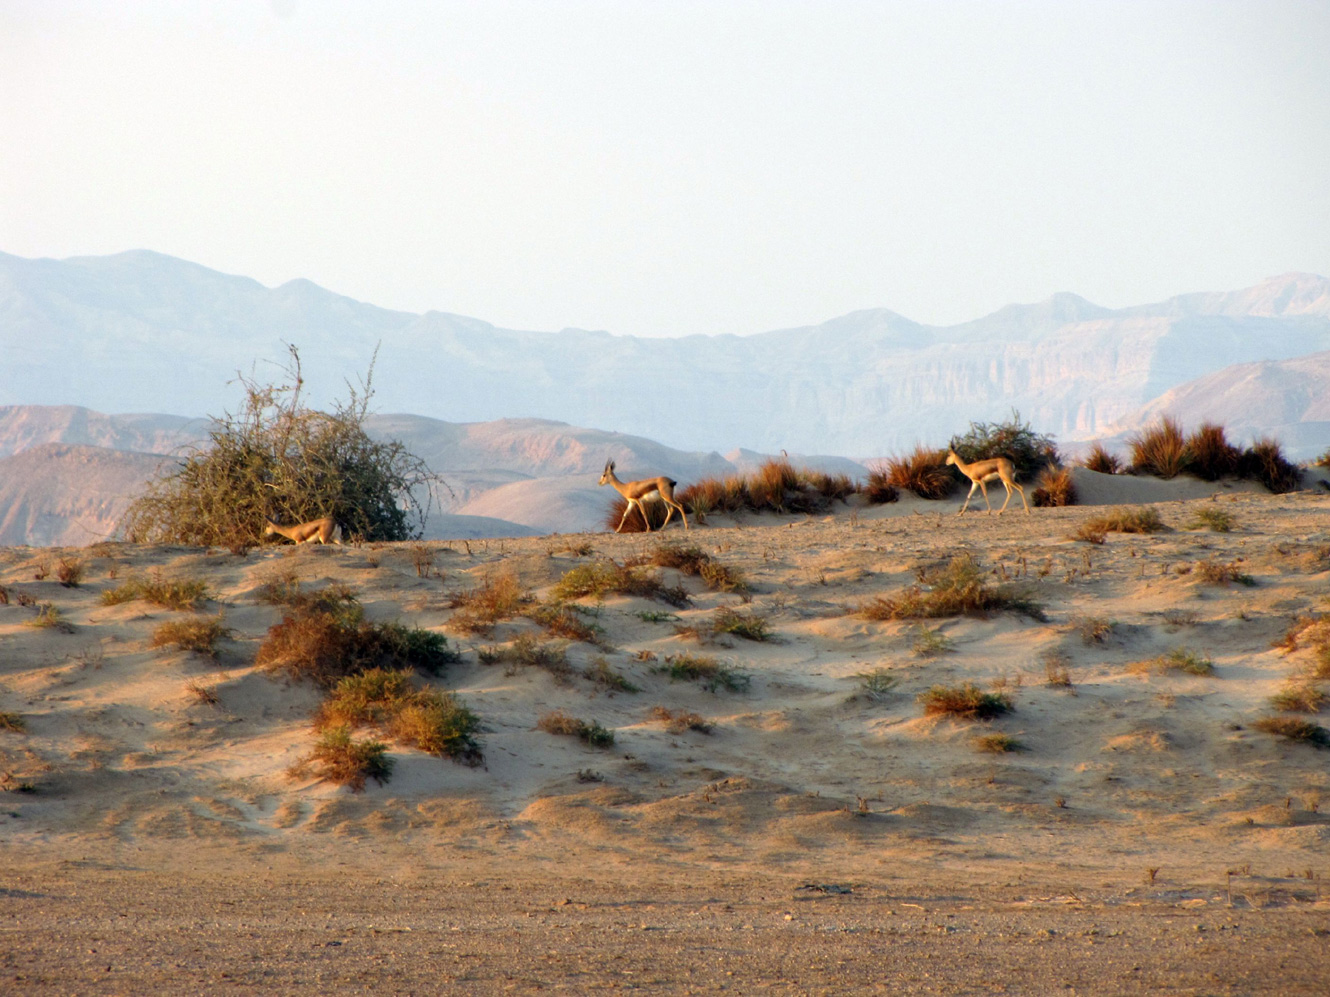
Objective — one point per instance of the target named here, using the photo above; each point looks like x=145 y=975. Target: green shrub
x=341 y=760
x=278 y=458
x=1027 y=450
x=438 y=724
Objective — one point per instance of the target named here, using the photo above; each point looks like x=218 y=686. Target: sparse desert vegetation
x=199 y=635
x=169 y=593
x=964 y=702
x=959 y=588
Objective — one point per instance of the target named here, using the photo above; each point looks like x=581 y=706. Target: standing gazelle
x=982 y=471
x=323 y=530
x=637 y=492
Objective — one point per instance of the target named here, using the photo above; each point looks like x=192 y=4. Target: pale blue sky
x=677 y=168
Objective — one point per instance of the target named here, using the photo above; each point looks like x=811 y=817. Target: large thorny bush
x=278 y=458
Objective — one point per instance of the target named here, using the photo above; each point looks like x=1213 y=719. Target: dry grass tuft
x=1299 y=697
x=958 y=589
x=49 y=617
x=878 y=489
x=438 y=724
x=69 y=572
x=1100 y=460
x=563 y=621
x=997 y=744
x=713 y=674
x=923 y=471
x=1209 y=454
x=692 y=560
x=498 y=597
x=965 y=702
x=1211 y=518
x=681 y=721
x=13 y=723
x=593 y=734
x=1218 y=573
x=169 y=593
x=1295 y=729
x=750 y=626
x=1160 y=450
x=1264 y=461
x=204 y=695
x=197 y=635
x=367 y=699
x=656 y=513
x=600 y=672
x=1180 y=659
x=1054 y=488
x=1093 y=629
x=1142 y=519
x=601 y=578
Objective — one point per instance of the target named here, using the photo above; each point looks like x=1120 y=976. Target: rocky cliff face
x=148 y=332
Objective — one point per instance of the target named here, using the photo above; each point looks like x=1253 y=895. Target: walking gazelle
x=637 y=492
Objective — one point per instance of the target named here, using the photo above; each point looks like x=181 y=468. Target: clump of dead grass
x=13 y=722
x=965 y=702
x=922 y=471
x=432 y=721
x=69 y=572
x=1100 y=460
x=1295 y=729
x=748 y=625
x=49 y=617
x=960 y=588
x=592 y=734
x=199 y=635
x=681 y=721
x=997 y=744
x=559 y=620
x=1179 y=659
x=1142 y=519
x=169 y=593
x=1054 y=487
x=1299 y=697
x=1218 y=573
x=600 y=672
x=878 y=489
x=1160 y=450
x=692 y=560
x=1209 y=517
x=710 y=672
x=498 y=597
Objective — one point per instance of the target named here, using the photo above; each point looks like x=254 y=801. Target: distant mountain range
x=140 y=331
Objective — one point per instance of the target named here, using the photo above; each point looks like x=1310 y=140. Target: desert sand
x=822 y=837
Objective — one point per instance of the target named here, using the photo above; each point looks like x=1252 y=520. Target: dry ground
x=1146 y=838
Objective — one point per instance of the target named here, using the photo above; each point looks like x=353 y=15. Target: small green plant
x=710 y=672
x=876 y=685
x=960 y=588
x=1180 y=659
x=592 y=734
x=49 y=617
x=931 y=642
x=1295 y=729
x=527 y=652
x=13 y=723
x=169 y=593
x=997 y=744
x=657 y=616
x=346 y=762
x=367 y=699
x=1211 y=518
x=197 y=635
x=681 y=721
x=966 y=702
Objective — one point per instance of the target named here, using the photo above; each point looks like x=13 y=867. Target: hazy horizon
x=691 y=169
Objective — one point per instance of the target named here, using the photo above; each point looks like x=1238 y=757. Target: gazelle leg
x=669 y=512
x=984 y=488
x=1004 y=504
x=966 y=504
x=627 y=509
x=1023 y=502
x=683 y=514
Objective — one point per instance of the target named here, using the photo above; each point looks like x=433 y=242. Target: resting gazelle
x=982 y=471
x=323 y=530
x=637 y=492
